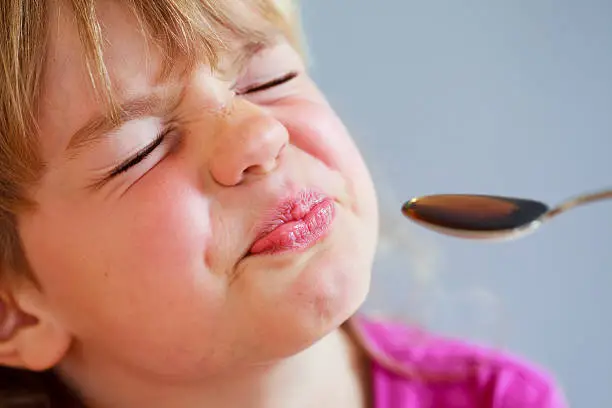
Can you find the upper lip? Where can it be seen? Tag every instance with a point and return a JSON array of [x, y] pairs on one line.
[[291, 208]]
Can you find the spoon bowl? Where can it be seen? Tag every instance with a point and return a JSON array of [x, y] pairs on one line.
[[487, 217]]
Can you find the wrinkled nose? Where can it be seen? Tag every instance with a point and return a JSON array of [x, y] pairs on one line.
[[250, 142]]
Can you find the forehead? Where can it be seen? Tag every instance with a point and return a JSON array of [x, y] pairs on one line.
[[132, 56], [67, 96]]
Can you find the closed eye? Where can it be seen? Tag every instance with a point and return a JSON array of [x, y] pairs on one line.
[[270, 84], [140, 155], [134, 160]]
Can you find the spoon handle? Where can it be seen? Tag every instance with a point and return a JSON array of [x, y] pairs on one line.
[[578, 201]]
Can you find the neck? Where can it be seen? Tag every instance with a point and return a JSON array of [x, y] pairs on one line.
[[331, 373]]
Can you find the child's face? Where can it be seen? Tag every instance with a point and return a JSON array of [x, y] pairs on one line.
[[146, 264]]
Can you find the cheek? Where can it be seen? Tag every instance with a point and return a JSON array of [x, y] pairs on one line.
[[162, 225], [316, 129], [133, 267]]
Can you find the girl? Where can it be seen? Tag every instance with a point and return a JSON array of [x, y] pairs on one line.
[[185, 222]]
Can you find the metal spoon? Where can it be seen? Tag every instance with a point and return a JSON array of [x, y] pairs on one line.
[[488, 217]]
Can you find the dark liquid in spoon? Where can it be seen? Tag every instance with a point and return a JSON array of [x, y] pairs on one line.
[[474, 212]]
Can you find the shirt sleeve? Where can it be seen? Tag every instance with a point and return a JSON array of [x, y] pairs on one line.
[[485, 377], [526, 387]]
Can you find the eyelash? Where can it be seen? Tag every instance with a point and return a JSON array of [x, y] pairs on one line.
[[270, 84], [159, 139], [141, 154]]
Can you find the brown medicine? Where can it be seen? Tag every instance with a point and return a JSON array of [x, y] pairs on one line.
[[473, 212]]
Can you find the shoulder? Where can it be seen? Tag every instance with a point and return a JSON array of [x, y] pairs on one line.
[[452, 373]]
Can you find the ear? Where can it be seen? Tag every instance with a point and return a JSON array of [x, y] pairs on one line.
[[30, 337]]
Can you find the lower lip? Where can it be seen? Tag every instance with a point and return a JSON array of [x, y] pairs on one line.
[[299, 234]]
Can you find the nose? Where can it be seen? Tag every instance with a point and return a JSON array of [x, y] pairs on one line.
[[250, 142]]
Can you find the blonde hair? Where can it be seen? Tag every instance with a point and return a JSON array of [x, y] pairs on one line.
[[196, 31]]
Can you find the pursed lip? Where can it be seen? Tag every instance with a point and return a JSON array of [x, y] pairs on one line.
[[294, 223]]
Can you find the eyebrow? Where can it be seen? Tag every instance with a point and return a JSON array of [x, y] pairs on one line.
[[153, 104]]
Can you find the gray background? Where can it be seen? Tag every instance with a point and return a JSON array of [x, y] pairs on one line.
[[510, 98]]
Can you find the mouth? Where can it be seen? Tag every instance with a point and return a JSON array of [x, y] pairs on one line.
[[295, 224]]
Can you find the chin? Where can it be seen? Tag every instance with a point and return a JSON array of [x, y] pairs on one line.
[[328, 289], [295, 299]]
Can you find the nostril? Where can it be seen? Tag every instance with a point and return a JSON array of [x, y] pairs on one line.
[[261, 168], [256, 169], [268, 166]]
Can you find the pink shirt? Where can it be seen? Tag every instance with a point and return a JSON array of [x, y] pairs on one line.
[[482, 378]]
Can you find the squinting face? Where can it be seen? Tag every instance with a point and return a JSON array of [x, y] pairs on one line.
[[221, 226]]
